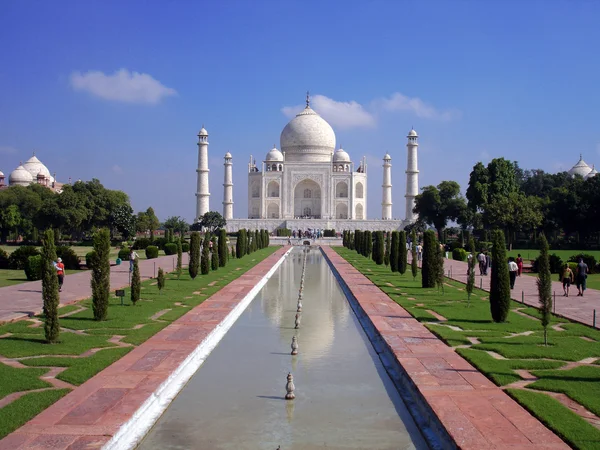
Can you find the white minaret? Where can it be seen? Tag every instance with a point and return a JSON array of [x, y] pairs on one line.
[[412, 175], [228, 188], [386, 198], [202, 194]]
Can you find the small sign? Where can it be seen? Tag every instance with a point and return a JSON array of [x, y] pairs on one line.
[[120, 292]]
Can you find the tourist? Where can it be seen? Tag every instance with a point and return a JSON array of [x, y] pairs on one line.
[[512, 271], [419, 252], [488, 262], [60, 273], [132, 257], [582, 271], [481, 260], [519, 264], [567, 279]]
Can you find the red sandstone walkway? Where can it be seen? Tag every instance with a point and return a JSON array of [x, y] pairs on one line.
[[579, 309], [91, 414], [476, 413], [19, 300]]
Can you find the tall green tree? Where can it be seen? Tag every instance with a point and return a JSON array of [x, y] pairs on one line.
[[177, 225], [160, 280], [439, 267], [379, 249], [477, 192], [413, 254], [402, 253], [223, 253], [205, 258], [429, 264], [388, 249], [194, 262], [136, 285], [471, 270], [357, 241], [437, 205], [369, 242], [179, 257], [394, 251], [122, 220], [214, 260], [50, 288], [101, 274], [211, 221], [499, 282], [544, 285]]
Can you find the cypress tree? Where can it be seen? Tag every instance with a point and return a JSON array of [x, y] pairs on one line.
[[402, 253], [248, 242], [413, 254], [160, 280], [439, 267], [471, 270], [205, 258], [179, 257], [394, 251], [233, 252], [379, 254], [194, 263], [388, 249], [369, 242], [136, 286], [50, 288], [214, 260], [428, 268], [544, 285], [350, 240], [358, 238], [223, 254], [268, 238], [101, 274], [238, 245], [499, 282], [256, 241]]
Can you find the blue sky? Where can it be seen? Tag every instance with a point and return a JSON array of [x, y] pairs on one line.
[[476, 79]]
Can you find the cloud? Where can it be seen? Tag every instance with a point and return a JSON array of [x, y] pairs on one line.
[[117, 169], [339, 114], [7, 150], [485, 156], [400, 102], [122, 86]]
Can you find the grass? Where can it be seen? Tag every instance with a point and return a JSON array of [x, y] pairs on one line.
[[81, 333], [530, 254], [9, 277], [582, 384]]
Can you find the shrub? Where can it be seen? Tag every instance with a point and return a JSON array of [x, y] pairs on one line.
[[214, 257], [179, 257], [50, 287], [223, 254], [394, 251], [160, 242], [33, 268], [135, 283], [3, 259], [388, 248], [544, 285], [556, 264], [124, 254], [185, 247], [141, 243], [402, 253], [429, 264], [90, 258], [588, 259], [194, 262], [283, 232], [329, 233], [69, 257], [170, 248], [101, 274], [160, 279], [205, 256], [459, 254], [18, 259], [379, 248], [499, 282], [151, 252]]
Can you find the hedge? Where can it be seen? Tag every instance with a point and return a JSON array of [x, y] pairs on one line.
[[151, 252]]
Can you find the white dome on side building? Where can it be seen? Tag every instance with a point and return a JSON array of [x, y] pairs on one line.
[[34, 166], [308, 138], [20, 177], [341, 156], [274, 155], [581, 168], [592, 173]]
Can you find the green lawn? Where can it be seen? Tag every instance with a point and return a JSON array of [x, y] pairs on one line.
[[530, 254], [25, 338], [473, 320], [8, 277]]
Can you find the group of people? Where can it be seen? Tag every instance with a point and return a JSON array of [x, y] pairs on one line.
[[579, 278]]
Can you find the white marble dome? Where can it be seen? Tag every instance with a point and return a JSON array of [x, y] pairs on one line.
[[412, 133], [203, 132], [387, 157], [227, 155], [308, 138], [341, 156], [34, 166], [581, 168], [592, 173], [20, 177], [274, 155]]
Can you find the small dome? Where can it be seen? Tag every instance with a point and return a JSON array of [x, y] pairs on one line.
[[203, 132], [274, 155], [227, 155], [1, 174], [387, 157], [592, 173], [20, 177], [341, 156], [581, 168], [35, 167], [412, 133]]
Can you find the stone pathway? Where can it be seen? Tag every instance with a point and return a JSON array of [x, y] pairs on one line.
[[579, 309], [90, 415], [21, 300], [475, 412]]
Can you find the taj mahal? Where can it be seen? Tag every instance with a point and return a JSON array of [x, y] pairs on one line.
[[308, 183]]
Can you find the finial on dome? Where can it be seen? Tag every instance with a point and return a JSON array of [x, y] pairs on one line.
[[34, 153], [580, 156], [307, 99]]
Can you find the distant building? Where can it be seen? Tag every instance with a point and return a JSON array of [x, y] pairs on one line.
[[583, 169], [33, 171]]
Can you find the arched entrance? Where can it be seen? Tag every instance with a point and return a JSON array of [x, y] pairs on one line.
[[307, 200], [341, 211]]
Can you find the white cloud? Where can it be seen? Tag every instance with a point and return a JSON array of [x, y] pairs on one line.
[[117, 169], [7, 150], [339, 114], [400, 102], [123, 86]]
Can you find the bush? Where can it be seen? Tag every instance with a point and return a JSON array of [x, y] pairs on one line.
[[69, 257], [124, 254], [170, 248], [329, 233], [429, 264], [33, 268], [151, 252], [141, 243], [459, 254], [3, 259], [455, 244], [499, 281], [556, 264], [90, 257], [160, 243], [185, 247], [18, 259], [483, 245], [283, 232], [588, 259], [50, 287], [100, 281]]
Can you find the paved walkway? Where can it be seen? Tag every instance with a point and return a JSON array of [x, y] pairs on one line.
[[579, 309], [475, 412], [20, 300], [91, 414]]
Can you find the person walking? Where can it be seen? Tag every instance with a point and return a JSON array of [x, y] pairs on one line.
[[519, 264], [567, 279], [60, 273], [481, 260], [419, 252], [132, 257], [512, 271], [582, 271]]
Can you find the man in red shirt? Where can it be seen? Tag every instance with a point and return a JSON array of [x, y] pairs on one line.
[[60, 272]]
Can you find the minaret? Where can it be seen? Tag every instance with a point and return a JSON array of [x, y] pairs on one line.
[[386, 198], [202, 194], [412, 175], [228, 188]]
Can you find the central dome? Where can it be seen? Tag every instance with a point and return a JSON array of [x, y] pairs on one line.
[[307, 138]]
